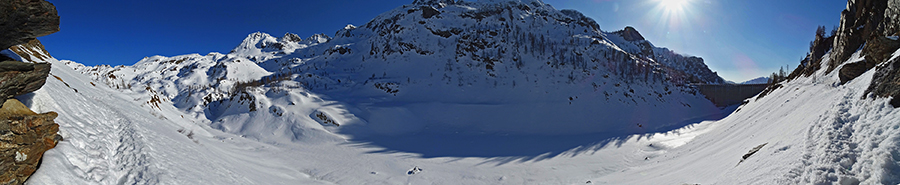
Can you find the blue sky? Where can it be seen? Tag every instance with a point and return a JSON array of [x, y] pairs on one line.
[[739, 39]]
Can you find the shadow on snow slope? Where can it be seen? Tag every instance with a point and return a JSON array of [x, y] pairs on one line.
[[503, 149]]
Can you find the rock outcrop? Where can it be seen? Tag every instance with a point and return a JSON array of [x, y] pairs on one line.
[[872, 26], [24, 137], [32, 51], [630, 34], [18, 78], [24, 20], [862, 21], [817, 50], [886, 81]]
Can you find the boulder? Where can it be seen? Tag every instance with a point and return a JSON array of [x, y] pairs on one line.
[[879, 49], [18, 78], [853, 70], [24, 20], [24, 137], [876, 51]]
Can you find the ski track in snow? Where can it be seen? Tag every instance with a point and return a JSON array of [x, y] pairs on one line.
[[112, 150]]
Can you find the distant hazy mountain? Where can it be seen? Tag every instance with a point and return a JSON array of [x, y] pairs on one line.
[[760, 80]]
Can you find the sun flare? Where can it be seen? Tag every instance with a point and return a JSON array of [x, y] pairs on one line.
[[673, 5]]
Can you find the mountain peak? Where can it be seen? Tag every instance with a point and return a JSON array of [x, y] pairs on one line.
[[290, 37], [630, 34], [433, 2], [318, 38], [255, 40]]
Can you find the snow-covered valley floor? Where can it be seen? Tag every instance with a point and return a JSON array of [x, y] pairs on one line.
[[812, 129]]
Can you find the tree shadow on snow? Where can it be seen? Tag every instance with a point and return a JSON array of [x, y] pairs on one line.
[[502, 149]]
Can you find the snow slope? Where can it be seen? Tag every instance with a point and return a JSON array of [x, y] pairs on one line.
[[486, 67], [815, 132], [115, 137], [387, 103]]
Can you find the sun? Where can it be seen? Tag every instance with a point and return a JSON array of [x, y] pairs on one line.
[[672, 16], [673, 5]]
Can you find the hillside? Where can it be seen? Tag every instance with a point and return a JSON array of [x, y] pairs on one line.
[[395, 75], [455, 92]]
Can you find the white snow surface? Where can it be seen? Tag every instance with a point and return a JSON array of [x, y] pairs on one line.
[[815, 130], [279, 111]]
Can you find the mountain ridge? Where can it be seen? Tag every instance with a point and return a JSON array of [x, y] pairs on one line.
[[509, 52]]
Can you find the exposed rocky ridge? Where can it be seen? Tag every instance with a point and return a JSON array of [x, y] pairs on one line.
[[24, 136], [819, 47], [630, 34], [24, 20], [872, 26], [862, 21]]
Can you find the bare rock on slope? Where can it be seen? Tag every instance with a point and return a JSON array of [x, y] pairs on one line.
[[18, 78], [24, 20], [24, 137], [886, 81], [862, 21], [32, 51], [876, 51]]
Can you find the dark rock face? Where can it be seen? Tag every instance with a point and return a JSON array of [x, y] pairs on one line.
[[812, 62], [630, 34], [428, 12], [24, 20], [24, 137], [879, 49], [852, 70], [291, 37], [876, 51], [18, 78], [886, 81], [862, 21], [875, 23]]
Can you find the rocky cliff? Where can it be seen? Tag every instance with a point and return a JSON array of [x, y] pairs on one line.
[[871, 26], [24, 135]]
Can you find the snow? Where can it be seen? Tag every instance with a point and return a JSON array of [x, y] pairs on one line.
[[396, 118], [112, 138], [759, 80]]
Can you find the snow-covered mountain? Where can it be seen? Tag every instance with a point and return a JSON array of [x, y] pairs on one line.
[[506, 67], [760, 80], [447, 92]]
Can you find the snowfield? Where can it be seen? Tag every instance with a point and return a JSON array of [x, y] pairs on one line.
[[388, 104], [814, 131]]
